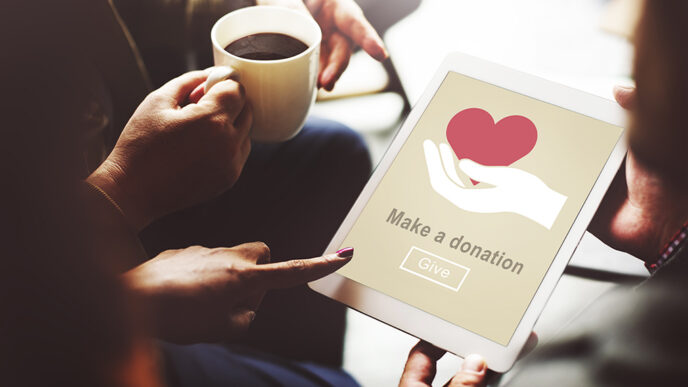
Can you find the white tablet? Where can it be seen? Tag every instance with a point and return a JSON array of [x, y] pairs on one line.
[[468, 222]]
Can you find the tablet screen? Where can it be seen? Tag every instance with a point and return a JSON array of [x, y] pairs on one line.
[[470, 215]]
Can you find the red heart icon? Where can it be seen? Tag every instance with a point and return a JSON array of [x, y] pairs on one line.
[[473, 134]]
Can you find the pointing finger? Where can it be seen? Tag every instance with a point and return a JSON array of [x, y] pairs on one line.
[[350, 20], [299, 271]]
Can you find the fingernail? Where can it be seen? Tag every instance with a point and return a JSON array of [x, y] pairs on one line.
[[473, 363], [376, 45], [346, 252], [326, 78]]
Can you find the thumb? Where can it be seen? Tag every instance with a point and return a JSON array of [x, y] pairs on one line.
[[239, 321], [486, 174], [421, 366], [625, 96], [179, 89], [472, 373]]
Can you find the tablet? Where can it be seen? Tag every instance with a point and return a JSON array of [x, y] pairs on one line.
[[469, 220]]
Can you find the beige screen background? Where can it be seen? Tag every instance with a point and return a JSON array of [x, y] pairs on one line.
[[569, 155]]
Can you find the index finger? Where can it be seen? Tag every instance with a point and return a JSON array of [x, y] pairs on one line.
[[179, 88], [350, 19], [288, 274]]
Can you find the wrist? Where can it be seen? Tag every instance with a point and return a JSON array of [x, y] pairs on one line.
[[112, 182], [546, 206], [671, 245]]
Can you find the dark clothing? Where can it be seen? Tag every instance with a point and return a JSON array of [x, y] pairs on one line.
[[214, 365], [292, 196], [629, 337]]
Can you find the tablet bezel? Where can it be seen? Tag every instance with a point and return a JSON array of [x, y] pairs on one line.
[[429, 327]]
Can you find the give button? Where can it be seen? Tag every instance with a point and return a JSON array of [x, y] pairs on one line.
[[434, 268]]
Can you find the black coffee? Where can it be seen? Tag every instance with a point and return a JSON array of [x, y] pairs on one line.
[[266, 46]]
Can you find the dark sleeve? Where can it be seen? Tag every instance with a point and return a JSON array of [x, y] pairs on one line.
[[629, 337]]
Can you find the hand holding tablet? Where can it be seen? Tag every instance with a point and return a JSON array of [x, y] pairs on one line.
[[472, 215]]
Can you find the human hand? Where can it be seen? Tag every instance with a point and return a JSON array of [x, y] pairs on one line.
[[421, 366], [173, 154], [343, 24], [641, 210], [201, 294], [514, 190]]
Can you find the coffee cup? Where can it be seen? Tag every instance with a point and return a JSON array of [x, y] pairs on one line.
[[282, 90]]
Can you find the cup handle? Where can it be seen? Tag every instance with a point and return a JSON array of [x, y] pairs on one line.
[[219, 74]]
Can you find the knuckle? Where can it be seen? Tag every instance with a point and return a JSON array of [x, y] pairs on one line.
[[246, 276], [154, 98], [217, 251], [217, 121], [231, 268], [263, 249], [259, 250], [195, 248], [296, 265], [231, 93], [240, 272]]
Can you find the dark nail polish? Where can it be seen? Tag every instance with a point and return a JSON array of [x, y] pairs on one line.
[[347, 252]]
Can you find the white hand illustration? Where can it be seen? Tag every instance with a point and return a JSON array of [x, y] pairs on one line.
[[514, 190]]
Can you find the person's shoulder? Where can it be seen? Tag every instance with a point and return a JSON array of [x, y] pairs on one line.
[[628, 337]]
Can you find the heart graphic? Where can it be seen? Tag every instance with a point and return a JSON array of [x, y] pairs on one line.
[[473, 134]]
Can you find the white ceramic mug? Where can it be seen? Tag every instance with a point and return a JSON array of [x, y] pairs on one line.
[[281, 92]]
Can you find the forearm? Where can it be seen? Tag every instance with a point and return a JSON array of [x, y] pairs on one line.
[[116, 241]]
